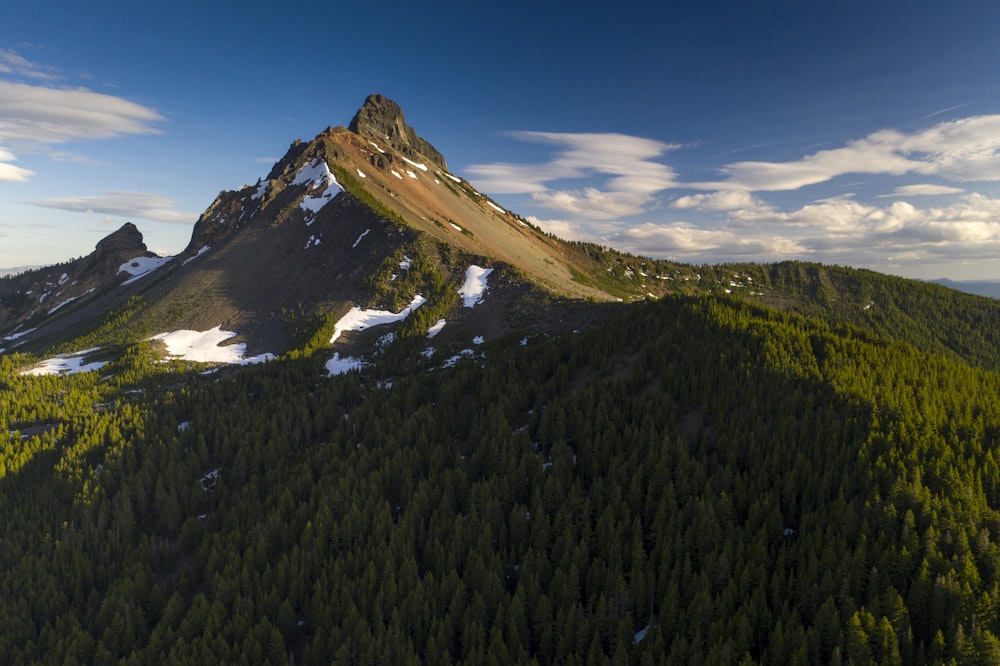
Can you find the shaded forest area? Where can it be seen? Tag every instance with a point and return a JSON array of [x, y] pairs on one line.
[[695, 480]]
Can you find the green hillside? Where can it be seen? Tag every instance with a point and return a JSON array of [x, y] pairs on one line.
[[699, 479]]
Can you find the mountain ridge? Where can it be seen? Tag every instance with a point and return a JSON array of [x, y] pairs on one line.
[[333, 224]]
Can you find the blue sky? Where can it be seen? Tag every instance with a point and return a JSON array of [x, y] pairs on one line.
[[854, 133]]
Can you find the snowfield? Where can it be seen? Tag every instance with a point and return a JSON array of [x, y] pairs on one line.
[[205, 347], [475, 285], [317, 175], [65, 364], [141, 267], [358, 320]]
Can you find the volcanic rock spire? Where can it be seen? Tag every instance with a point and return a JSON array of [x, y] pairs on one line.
[[381, 120]]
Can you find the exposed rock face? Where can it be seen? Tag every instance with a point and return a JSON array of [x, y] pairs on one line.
[[117, 248], [381, 120]]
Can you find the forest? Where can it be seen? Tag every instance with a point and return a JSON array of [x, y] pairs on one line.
[[703, 478]]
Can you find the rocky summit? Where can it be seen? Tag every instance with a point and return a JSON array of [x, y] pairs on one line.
[[381, 119]]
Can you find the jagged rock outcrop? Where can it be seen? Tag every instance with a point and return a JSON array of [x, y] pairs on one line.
[[381, 120], [117, 248]]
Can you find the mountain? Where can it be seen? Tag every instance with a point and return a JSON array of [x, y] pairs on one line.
[[41, 293], [989, 288], [472, 442], [327, 229]]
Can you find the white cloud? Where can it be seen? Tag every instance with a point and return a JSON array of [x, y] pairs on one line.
[[593, 203], [35, 117], [562, 228], [42, 115], [626, 163], [9, 172], [134, 205], [717, 201], [15, 64], [687, 241], [967, 149], [922, 189]]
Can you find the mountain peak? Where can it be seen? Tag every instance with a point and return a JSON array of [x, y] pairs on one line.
[[380, 119], [127, 238]]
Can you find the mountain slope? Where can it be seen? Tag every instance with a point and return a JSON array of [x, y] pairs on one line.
[[304, 244], [787, 463]]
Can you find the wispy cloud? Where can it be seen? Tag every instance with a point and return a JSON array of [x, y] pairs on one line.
[[940, 112], [967, 149], [37, 115], [921, 190], [9, 172], [625, 165], [131, 205], [13, 63]]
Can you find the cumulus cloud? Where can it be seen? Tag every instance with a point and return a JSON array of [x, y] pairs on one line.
[[133, 205], [967, 149], [625, 163], [687, 241]]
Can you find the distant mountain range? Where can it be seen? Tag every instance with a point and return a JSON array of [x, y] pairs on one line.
[[989, 288]]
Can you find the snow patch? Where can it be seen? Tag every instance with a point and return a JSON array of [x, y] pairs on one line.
[[203, 250], [363, 234], [358, 320], [71, 299], [15, 336], [65, 364], [457, 228], [312, 242], [317, 175], [494, 206], [406, 263], [422, 167], [478, 340], [261, 191], [411, 174], [361, 173], [457, 357], [454, 178], [205, 347], [376, 147], [396, 174], [475, 285], [436, 328], [141, 267], [339, 366]]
